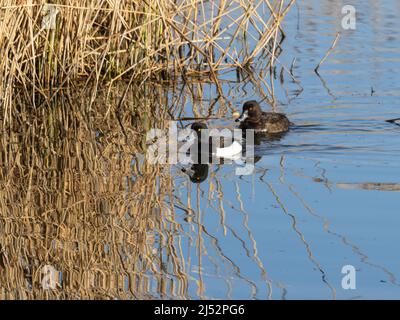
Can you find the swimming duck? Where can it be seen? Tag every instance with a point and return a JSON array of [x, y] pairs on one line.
[[231, 152], [198, 172], [267, 122], [201, 137]]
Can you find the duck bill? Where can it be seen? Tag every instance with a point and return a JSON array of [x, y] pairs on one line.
[[243, 117]]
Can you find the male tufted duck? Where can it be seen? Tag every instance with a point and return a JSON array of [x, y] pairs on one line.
[[229, 152]]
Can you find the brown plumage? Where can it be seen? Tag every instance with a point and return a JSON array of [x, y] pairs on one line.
[[267, 122]]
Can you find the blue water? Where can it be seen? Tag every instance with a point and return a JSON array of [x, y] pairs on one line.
[[324, 196]]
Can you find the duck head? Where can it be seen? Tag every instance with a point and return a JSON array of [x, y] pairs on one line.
[[195, 134], [198, 128], [251, 111]]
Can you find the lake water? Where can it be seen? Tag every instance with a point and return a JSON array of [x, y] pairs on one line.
[[324, 196]]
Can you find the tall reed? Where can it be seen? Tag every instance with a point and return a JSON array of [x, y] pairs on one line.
[[98, 41]]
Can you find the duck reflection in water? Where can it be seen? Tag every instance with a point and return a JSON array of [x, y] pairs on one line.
[[198, 173]]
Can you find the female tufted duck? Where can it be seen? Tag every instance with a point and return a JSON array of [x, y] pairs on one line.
[[267, 122]]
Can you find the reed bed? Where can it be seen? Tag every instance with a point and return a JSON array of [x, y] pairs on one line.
[[48, 47]]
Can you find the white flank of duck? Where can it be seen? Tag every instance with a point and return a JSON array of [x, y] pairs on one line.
[[229, 152]]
